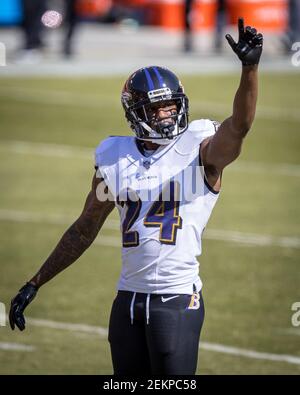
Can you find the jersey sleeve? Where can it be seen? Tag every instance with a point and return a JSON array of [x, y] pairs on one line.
[[104, 160], [198, 130], [203, 128], [102, 152], [108, 155]]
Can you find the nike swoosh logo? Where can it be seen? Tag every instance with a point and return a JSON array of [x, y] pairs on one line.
[[166, 299]]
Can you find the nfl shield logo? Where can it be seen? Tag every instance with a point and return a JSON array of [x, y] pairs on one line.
[[146, 164]]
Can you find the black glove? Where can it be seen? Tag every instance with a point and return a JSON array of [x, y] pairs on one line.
[[249, 46], [18, 304]]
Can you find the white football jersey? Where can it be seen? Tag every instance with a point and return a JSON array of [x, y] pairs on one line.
[[164, 202]]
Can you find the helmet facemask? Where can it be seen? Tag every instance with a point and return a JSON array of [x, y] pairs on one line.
[[141, 117]]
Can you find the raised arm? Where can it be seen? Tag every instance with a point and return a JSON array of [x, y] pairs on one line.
[[71, 246], [225, 146]]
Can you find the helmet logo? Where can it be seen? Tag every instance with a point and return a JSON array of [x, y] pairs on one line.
[[158, 94], [125, 98], [181, 86], [147, 164]]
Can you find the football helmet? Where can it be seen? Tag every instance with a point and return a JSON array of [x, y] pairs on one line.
[[146, 90]]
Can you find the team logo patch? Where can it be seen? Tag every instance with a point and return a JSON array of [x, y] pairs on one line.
[[147, 164], [195, 302]]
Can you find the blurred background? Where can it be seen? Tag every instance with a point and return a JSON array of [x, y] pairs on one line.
[[95, 33], [62, 67]]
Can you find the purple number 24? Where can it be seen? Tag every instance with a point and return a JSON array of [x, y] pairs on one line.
[[163, 214]]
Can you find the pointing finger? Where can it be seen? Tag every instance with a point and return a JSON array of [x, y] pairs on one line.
[[241, 27]]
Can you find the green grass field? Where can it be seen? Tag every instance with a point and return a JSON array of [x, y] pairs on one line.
[[248, 288]]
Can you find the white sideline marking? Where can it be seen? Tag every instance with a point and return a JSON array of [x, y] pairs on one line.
[[67, 326], [16, 347], [56, 219], [203, 345], [59, 98], [249, 239], [46, 149], [108, 241], [249, 353], [291, 331], [69, 151]]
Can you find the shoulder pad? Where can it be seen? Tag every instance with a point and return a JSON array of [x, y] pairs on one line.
[[110, 150], [203, 128], [197, 131]]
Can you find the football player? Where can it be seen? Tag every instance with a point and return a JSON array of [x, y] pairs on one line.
[[164, 181]]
